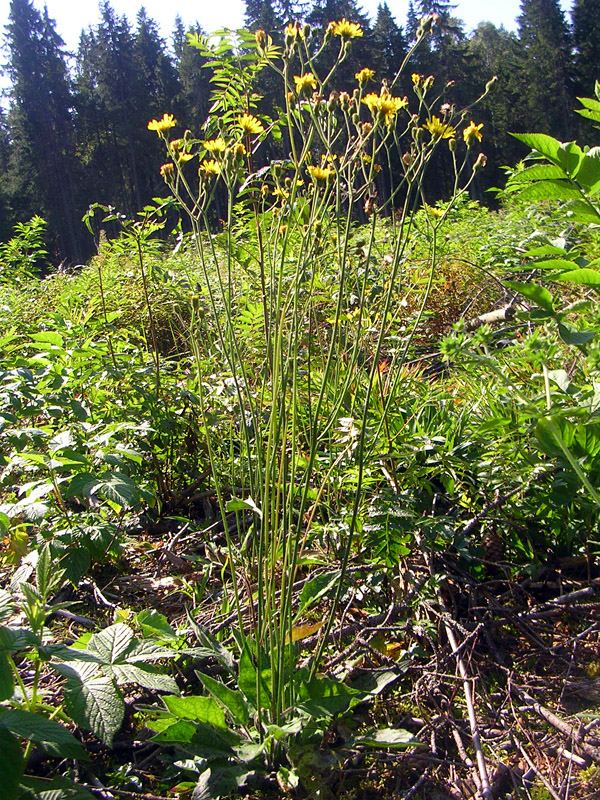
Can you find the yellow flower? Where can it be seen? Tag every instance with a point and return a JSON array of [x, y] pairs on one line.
[[416, 78], [320, 175], [184, 157], [346, 30], [210, 167], [162, 125], [260, 38], [239, 151], [305, 84], [439, 129], [292, 32], [250, 124], [218, 145], [167, 171], [472, 132], [384, 106], [365, 75]]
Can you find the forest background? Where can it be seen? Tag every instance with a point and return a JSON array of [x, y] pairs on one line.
[[74, 130]]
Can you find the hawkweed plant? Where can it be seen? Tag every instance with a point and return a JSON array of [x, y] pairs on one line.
[[309, 397]]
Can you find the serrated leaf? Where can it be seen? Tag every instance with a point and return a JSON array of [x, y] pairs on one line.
[[144, 676], [120, 489], [7, 680], [544, 144], [155, 624], [93, 701], [232, 700], [112, 643], [197, 708], [585, 277], [47, 733], [549, 190], [11, 764]]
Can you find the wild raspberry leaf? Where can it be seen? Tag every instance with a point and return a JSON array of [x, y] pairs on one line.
[[48, 734], [93, 700], [112, 643], [11, 764]]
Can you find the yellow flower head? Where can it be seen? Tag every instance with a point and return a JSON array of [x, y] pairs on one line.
[[472, 132], [345, 30], [439, 129], [364, 76], [250, 125], [416, 78], [292, 32], [218, 145], [260, 37], [210, 167], [239, 151], [384, 106], [305, 84], [162, 125], [167, 171], [320, 175]]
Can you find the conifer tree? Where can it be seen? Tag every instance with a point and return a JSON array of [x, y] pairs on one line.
[[585, 15], [547, 93], [388, 43], [42, 165]]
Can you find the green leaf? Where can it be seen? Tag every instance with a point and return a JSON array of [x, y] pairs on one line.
[[197, 708], [254, 684], [43, 570], [588, 174], [93, 701], [145, 676], [120, 489], [549, 190], [572, 336], [570, 156], [47, 733], [532, 291], [155, 624], [7, 608], [546, 145], [48, 337], [11, 764], [7, 680], [386, 737], [538, 172], [206, 639], [325, 697], [544, 433], [586, 277], [315, 588], [59, 788], [83, 485], [232, 700], [554, 263], [112, 643]]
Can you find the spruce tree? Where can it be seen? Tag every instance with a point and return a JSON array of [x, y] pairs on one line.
[[389, 44], [42, 164], [547, 91], [585, 15]]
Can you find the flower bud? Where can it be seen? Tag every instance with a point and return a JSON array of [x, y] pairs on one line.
[[490, 85], [480, 163]]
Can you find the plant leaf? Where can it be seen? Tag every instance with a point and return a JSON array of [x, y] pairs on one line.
[[386, 737], [11, 764], [532, 291], [93, 701], [47, 733], [232, 700]]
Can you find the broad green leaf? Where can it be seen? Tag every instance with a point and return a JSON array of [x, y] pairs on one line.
[[205, 638], [532, 291], [546, 437], [237, 504], [6, 605], [155, 624], [316, 588], [549, 190], [386, 737], [93, 701], [545, 250], [586, 277], [254, 684], [197, 708], [83, 485], [588, 174], [48, 337], [120, 489], [7, 680], [582, 211], [11, 764], [59, 788], [222, 780], [554, 263], [561, 378], [112, 643], [75, 563], [589, 114], [232, 700], [47, 733], [572, 336], [538, 172], [590, 103], [145, 676], [569, 156], [546, 145], [325, 697]]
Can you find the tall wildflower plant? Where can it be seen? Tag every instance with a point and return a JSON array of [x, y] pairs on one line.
[[309, 398]]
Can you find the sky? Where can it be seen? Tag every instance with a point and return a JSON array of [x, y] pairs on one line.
[[72, 16]]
